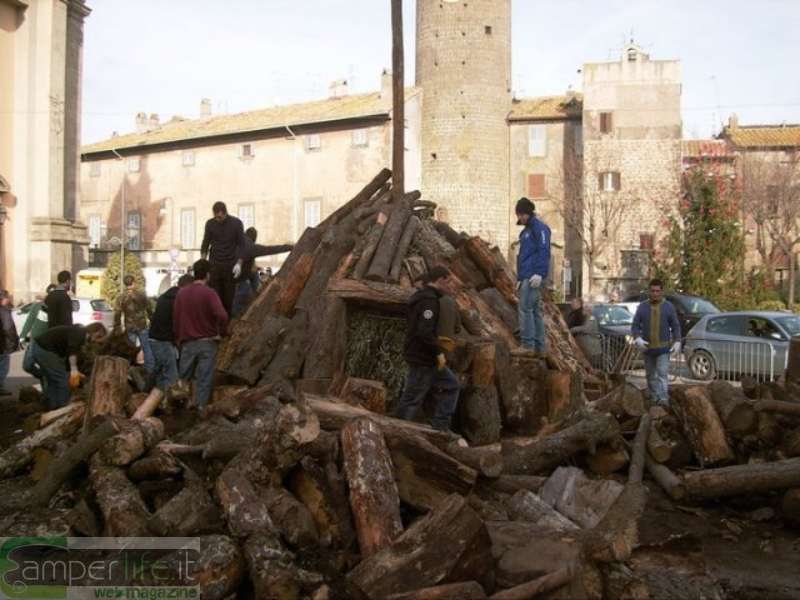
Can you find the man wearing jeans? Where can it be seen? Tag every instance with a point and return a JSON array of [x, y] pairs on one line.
[[657, 331], [134, 307], [425, 355], [199, 321], [533, 266]]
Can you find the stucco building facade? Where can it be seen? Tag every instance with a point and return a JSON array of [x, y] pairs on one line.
[[41, 45]]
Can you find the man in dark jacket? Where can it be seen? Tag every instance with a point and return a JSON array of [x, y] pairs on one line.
[[248, 282], [425, 355], [9, 340], [223, 245], [533, 267], [58, 303], [657, 332]]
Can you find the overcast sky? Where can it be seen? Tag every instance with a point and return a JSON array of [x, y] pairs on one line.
[[162, 56]]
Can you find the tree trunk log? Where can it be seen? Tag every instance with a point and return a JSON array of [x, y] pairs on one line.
[[327, 351], [617, 534], [479, 415], [433, 247], [291, 517], [156, 465], [660, 450], [149, 406], [735, 410], [371, 293], [54, 415], [494, 271], [466, 590], [779, 406], [108, 388], [791, 444], [244, 508], [702, 425], [537, 587], [528, 456], [790, 507], [387, 248], [374, 496], [219, 569], [483, 364], [521, 381], [372, 240], [368, 194], [188, 513], [17, 457], [743, 479], [527, 506], [449, 544], [124, 512], [243, 359], [134, 440], [497, 302], [510, 484], [271, 568], [402, 249], [486, 460], [668, 481], [365, 393], [424, 474], [639, 451], [609, 458]]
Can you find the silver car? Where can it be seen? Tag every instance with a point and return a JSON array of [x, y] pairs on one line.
[[84, 311], [735, 344]]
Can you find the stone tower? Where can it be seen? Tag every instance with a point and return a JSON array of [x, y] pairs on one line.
[[463, 65]]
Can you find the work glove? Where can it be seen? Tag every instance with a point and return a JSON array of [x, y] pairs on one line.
[[75, 379], [676, 348], [640, 343], [535, 281], [441, 361], [519, 284], [237, 270]]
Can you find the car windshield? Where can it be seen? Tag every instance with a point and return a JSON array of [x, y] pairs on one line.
[[790, 323], [100, 306], [698, 306], [611, 314]]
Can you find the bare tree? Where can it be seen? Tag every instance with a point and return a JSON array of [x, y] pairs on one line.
[[770, 185]]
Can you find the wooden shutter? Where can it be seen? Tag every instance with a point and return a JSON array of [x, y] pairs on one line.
[[600, 181], [615, 179], [536, 187], [605, 122]]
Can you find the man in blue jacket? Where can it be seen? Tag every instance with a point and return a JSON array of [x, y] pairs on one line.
[[533, 267], [657, 332]]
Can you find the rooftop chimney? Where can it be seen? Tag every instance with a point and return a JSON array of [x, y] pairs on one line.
[[386, 84], [153, 123], [338, 88], [141, 122], [205, 108], [733, 121]]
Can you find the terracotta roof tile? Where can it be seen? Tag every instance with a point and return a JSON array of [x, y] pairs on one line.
[[320, 111], [763, 136], [706, 149], [547, 108]]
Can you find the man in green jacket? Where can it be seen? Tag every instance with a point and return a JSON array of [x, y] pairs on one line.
[[36, 322]]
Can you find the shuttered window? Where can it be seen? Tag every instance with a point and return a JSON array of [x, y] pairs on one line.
[[187, 228], [609, 181], [606, 122], [536, 186], [537, 140]]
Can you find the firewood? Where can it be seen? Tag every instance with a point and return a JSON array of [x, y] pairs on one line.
[[433, 247], [271, 569], [150, 404], [479, 415], [60, 469], [527, 506], [45, 419], [371, 293], [510, 484], [134, 439], [389, 243], [521, 382], [424, 474], [741, 480], [453, 237], [327, 350], [245, 510], [542, 585], [486, 460], [702, 425], [124, 512], [369, 193], [18, 456], [287, 363], [779, 406], [291, 517], [609, 458], [483, 364], [790, 507], [365, 393], [562, 396], [791, 444], [495, 300], [219, 569], [668, 481], [402, 249], [374, 204], [156, 465], [374, 497], [617, 534], [108, 388], [190, 512], [371, 242], [449, 544], [624, 401], [736, 411], [466, 590], [660, 450], [246, 360], [769, 429], [528, 456], [494, 271], [639, 451], [582, 500], [619, 581]]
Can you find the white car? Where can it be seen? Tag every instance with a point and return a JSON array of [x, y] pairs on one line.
[[84, 311]]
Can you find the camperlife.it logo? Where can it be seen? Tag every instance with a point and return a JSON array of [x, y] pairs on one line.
[[76, 568]]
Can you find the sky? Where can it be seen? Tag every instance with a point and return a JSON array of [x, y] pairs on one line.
[[163, 56]]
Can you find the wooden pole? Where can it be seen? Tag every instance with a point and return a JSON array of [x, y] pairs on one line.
[[398, 103]]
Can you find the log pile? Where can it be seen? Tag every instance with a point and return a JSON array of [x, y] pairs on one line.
[[299, 483]]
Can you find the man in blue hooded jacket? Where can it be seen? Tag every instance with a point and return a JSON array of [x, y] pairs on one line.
[[533, 267]]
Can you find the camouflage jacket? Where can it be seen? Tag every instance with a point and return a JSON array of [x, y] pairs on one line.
[[134, 307]]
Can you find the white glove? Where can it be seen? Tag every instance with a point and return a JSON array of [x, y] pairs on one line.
[[519, 283], [676, 348], [237, 270], [640, 343], [535, 281]]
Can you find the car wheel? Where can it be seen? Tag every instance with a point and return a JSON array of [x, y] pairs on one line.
[[702, 365]]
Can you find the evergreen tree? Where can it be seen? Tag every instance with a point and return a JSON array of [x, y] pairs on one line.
[[112, 281]]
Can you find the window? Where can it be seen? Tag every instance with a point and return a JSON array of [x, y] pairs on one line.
[[313, 211], [94, 169], [247, 215], [313, 142], [187, 228], [605, 122], [609, 181], [95, 230], [134, 232], [187, 158], [536, 186], [246, 151], [537, 140], [734, 325], [360, 139], [133, 165], [646, 241], [488, 29], [762, 328], [577, 139]]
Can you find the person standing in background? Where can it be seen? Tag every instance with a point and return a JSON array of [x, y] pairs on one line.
[[58, 302], [533, 267], [223, 245], [248, 282], [9, 341], [133, 309]]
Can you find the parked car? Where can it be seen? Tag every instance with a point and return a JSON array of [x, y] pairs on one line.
[[690, 308], [604, 334], [740, 343], [84, 311]]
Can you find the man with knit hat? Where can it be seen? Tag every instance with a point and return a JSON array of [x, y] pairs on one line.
[[533, 267]]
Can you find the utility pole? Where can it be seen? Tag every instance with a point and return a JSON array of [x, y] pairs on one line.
[[398, 103]]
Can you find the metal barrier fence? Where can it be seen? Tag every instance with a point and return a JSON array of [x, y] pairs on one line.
[[713, 360]]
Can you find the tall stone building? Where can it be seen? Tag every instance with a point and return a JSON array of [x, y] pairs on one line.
[[41, 45], [463, 66]]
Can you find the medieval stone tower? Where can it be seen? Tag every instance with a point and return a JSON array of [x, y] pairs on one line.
[[463, 65]]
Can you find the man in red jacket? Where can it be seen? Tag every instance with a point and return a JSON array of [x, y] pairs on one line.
[[199, 321]]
